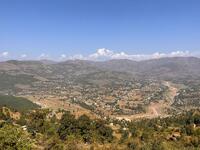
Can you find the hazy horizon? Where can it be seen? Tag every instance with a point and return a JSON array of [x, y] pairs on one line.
[[100, 55]]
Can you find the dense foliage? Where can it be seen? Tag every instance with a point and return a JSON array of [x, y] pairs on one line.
[[12, 138], [17, 103], [177, 132], [44, 129], [89, 130]]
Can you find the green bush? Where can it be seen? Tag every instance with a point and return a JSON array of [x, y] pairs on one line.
[[14, 138]]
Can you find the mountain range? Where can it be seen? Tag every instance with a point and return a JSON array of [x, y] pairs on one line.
[[163, 68]]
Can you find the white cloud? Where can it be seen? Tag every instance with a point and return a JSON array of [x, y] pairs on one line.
[[63, 56], [44, 56], [23, 56], [4, 54], [106, 54], [180, 53], [172, 54], [78, 56], [102, 54]]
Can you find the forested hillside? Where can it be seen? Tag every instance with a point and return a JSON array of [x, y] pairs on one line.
[[17, 103], [44, 129]]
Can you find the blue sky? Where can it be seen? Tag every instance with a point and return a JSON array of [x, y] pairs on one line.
[[55, 28]]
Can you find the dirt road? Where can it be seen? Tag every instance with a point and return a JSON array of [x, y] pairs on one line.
[[157, 109]]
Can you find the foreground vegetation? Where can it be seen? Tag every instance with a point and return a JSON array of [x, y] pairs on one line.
[[176, 132], [45, 129]]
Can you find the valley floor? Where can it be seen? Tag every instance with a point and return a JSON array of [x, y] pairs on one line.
[[156, 109], [159, 108]]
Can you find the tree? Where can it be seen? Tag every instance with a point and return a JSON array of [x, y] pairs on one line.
[[84, 127], [37, 121], [104, 133], [68, 125], [14, 138]]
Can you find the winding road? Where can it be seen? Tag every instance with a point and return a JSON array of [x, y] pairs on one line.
[[157, 109]]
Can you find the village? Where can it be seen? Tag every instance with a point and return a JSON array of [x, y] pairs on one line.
[[128, 98]]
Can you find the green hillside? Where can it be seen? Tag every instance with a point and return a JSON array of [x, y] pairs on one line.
[[9, 81], [17, 103]]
